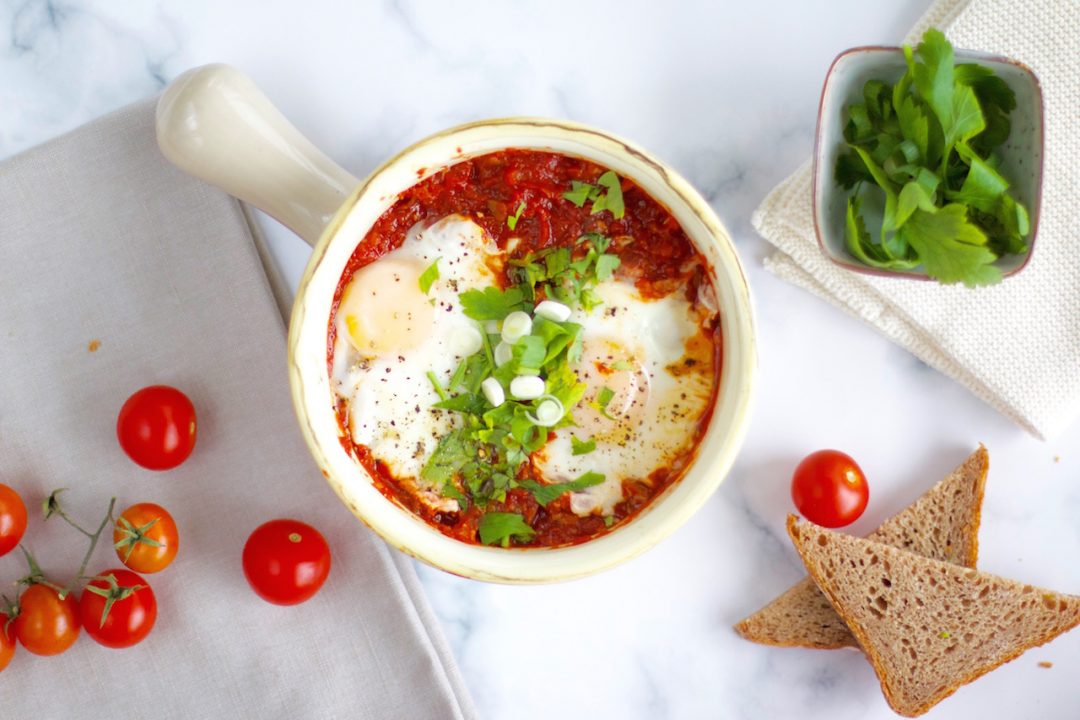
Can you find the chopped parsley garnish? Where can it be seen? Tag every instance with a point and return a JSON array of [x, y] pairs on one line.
[[546, 494], [612, 198], [484, 456], [566, 279], [437, 385], [605, 266], [582, 447], [512, 220], [580, 192], [603, 399], [429, 276], [499, 527], [927, 147], [491, 303], [605, 195]]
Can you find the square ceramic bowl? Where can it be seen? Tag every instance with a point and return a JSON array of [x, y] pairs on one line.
[[1022, 153]]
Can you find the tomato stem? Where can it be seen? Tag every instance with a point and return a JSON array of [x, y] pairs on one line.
[[90, 550], [10, 611], [35, 576], [51, 506], [133, 536], [112, 593]]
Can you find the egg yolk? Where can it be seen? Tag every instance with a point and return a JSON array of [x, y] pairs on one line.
[[382, 309], [607, 364]]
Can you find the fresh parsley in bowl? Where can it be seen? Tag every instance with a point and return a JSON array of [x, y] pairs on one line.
[[928, 163]]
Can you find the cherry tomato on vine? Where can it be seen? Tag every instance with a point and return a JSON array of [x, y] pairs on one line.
[[156, 427], [145, 538], [132, 608], [286, 561], [829, 489], [7, 642], [12, 519], [46, 625]]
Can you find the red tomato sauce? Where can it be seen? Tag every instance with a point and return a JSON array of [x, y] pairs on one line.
[[655, 254]]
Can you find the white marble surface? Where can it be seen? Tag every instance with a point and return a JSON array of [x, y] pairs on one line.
[[728, 95]]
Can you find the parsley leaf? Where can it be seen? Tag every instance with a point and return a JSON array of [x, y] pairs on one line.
[[934, 75], [562, 383], [581, 447], [546, 494], [858, 239], [450, 454], [429, 276], [850, 170], [580, 192], [491, 303], [951, 248], [603, 399], [967, 120], [500, 527], [995, 98], [512, 220], [612, 199], [606, 265], [528, 355]]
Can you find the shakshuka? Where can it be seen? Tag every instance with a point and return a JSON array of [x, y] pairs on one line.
[[524, 350]]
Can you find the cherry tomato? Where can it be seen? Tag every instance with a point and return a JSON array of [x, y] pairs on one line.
[[286, 561], [7, 642], [829, 489], [145, 538], [12, 519], [131, 616], [156, 427], [46, 625]]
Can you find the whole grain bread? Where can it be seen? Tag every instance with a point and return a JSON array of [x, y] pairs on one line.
[[943, 524], [927, 626]]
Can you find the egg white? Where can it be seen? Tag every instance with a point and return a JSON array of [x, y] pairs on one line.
[[388, 393], [658, 399]]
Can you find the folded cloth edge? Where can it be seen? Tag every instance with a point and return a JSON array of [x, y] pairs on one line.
[[796, 261]]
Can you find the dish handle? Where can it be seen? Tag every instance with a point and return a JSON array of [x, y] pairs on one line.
[[213, 122]]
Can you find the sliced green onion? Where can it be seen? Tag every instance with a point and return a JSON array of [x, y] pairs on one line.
[[437, 385], [553, 310], [504, 352], [465, 340], [517, 325], [527, 387], [493, 391], [549, 412]]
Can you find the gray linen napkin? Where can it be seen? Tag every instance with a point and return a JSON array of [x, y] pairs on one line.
[[105, 245]]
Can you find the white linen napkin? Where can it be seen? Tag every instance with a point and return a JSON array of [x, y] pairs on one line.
[[119, 271], [1015, 345]]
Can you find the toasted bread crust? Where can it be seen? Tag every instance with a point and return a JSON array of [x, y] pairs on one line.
[[778, 623], [800, 531]]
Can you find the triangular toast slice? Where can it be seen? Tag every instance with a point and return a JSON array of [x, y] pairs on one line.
[[927, 626], [942, 524]]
